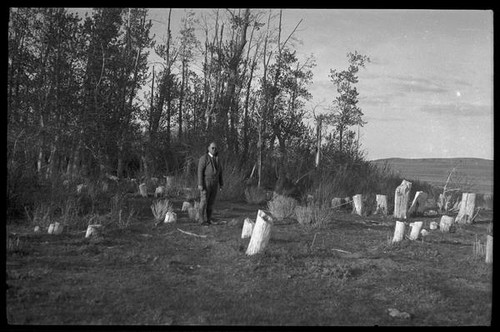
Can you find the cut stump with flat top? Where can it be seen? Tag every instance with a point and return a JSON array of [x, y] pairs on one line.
[[261, 233], [445, 223], [357, 207], [401, 198], [466, 209], [399, 231], [415, 229]]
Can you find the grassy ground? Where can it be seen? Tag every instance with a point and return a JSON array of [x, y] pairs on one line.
[[344, 273]]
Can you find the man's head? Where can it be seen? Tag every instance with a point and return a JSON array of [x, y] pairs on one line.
[[212, 148]]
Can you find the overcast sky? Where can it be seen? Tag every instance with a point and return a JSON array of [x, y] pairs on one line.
[[428, 91]]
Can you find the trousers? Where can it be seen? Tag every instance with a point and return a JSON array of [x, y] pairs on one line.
[[207, 199]]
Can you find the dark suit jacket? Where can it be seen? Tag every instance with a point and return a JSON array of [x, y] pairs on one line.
[[206, 170]]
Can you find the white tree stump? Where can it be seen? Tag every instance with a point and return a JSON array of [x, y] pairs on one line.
[[143, 190], [336, 202], [424, 232], [466, 208], [186, 206], [261, 233], [399, 232], [445, 223], [170, 217], [92, 230], [248, 226], [37, 229], [433, 225], [80, 188], [418, 205], [357, 204], [169, 181], [415, 229], [489, 249], [381, 204], [160, 191], [401, 199]]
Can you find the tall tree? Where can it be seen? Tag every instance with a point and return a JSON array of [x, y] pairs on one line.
[[346, 112]]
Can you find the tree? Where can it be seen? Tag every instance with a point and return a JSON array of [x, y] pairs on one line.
[[346, 113]]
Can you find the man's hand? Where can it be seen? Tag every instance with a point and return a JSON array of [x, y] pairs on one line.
[[200, 188], [220, 188]]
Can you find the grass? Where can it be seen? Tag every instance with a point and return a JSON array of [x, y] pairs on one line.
[[342, 273]]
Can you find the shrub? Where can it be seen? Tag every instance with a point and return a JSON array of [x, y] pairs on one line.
[[313, 215], [304, 215], [234, 183], [282, 207], [160, 209], [255, 195]]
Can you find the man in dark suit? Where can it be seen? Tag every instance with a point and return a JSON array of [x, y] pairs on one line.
[[209, 182]]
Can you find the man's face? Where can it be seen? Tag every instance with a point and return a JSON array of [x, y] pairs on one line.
[[212, 149]]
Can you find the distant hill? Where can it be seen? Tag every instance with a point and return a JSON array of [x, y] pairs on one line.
[[436, 170]]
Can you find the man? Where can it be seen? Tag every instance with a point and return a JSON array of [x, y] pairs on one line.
[[209, 181]]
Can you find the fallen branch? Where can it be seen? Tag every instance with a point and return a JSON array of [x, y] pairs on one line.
[[346, 252], [189, 233]]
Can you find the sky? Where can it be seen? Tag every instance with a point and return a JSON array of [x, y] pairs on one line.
[[428, 90]]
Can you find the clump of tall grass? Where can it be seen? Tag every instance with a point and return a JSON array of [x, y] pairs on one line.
[[282, 207], [478, 249], [255, 195], [313, 215], [160, 208]]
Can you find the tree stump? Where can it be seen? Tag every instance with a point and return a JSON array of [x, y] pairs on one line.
[[170, 217], [489, 249], [357, 204], [433, 225], [80, 188], [58, 228], [445, 223], [401, 199], [169, 181], [336, 202], [399, 232], [92, 230], [261, 233], [466, 209], [143, 190], [160, 191], [186, 206], [248, 226], [381, 204], [418, 205], [415, 229]]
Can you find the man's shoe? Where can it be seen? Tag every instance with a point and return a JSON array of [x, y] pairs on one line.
[[205, 223]]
